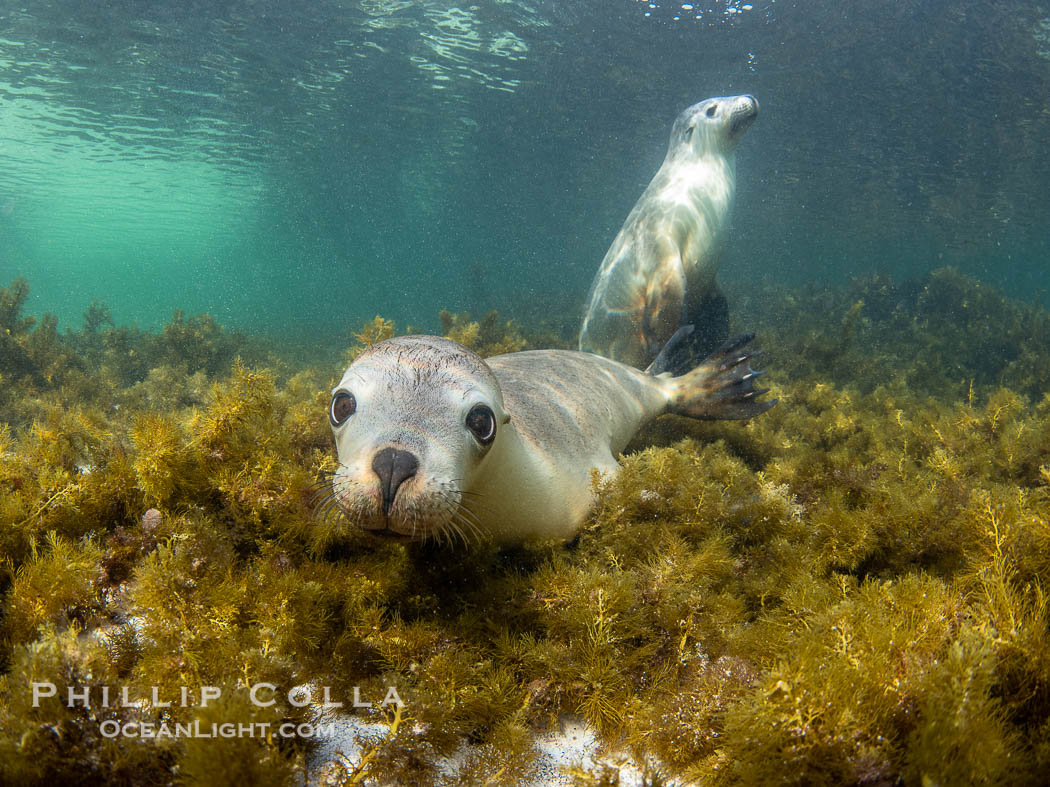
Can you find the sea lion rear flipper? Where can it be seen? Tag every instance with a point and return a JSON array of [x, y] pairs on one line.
[[723, 386]]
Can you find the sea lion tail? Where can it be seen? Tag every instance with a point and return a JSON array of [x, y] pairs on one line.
[[723, 386]]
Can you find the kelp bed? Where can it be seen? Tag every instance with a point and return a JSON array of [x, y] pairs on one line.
[[846, 590]]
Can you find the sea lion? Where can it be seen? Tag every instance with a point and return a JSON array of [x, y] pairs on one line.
[[435, 443], [659, 273]]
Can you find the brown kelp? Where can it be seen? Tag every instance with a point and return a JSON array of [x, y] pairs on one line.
[[849, 589]]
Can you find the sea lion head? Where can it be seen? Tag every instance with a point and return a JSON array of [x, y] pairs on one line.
[[413, 418], [714, 124]]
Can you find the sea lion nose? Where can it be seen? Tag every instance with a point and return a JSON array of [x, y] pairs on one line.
[[393, 467]]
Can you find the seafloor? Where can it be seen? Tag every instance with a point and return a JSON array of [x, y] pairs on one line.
[[845, 590]]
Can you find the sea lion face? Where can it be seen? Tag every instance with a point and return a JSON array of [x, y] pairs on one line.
[[413, 419], [715, 124]]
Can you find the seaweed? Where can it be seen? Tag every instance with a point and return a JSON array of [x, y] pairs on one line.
[[102, 363], [197, 343], [14, 359], [489, 336], [945, 335], [849, 589], [371, 333], [96, 316]]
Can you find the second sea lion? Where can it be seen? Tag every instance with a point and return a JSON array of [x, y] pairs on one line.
[[659, 273]]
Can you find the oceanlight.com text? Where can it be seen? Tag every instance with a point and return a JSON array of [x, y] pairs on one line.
[[194, 729]]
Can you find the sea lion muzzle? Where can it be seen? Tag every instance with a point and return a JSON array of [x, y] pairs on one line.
[[393, 467]]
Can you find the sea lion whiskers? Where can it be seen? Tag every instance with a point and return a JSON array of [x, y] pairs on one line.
[[324, 505], [412, 512], [460, 520], [457, 519], [331, 508], [321, 488], [466, 523], [462, 528], [324, 497], [343, 488], [477, 500]]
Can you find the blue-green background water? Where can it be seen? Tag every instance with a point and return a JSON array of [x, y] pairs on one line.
[[295, 168]]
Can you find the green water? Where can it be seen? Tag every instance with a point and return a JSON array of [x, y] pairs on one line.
[[295, 170]]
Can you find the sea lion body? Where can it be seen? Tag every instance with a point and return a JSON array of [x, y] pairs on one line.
[[542, 460], [417, 462], [659, 273]]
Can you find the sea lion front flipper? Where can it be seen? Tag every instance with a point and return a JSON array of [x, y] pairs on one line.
[[694, 342], [710, 321], [676, 356], [665, 291], [615, 320]]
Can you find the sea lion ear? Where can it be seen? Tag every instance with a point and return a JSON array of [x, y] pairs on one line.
[[506, 418]]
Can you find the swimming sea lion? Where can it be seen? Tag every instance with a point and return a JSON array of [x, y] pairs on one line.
[[659, 273], [433, 442]]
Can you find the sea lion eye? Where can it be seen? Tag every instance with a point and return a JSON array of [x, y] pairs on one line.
[[711, 110], [482, 423], [343, 406]]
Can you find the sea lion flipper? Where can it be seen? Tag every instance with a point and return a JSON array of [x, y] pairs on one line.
[[711, 323], [676, 354], [691, 344], [665, 293], [635, 309], [723, 386]]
